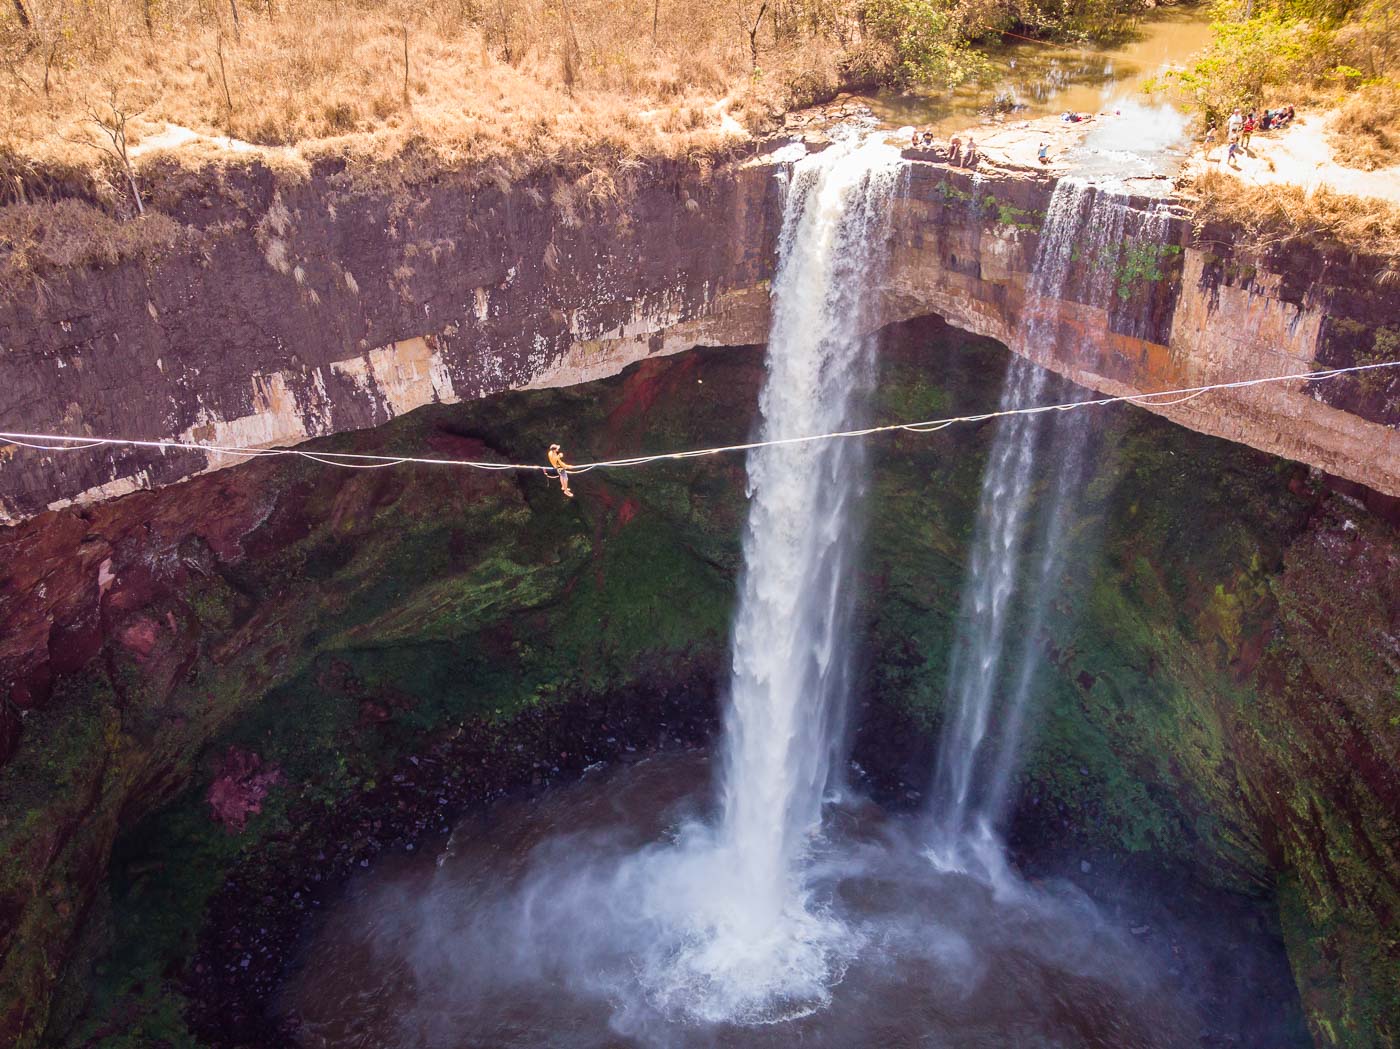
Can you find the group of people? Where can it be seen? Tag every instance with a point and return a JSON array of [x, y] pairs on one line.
[[960, 154], [1240, 128]]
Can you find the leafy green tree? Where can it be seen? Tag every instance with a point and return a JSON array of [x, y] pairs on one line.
[[925, 40], [1247, 58]]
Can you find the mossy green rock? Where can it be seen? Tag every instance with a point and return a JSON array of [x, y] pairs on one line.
[[1219, 693]]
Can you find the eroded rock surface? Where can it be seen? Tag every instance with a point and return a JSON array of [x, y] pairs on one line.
[[1219, 686], [290, 310]]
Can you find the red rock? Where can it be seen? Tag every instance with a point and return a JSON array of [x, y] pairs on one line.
[[372, 713], [140, 637], [240, 787]]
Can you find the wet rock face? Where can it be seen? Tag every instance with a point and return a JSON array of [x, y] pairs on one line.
[[292, 310], [1218, 690]]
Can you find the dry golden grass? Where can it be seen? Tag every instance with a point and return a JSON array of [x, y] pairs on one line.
[[38, 239], [1275, 214], [1366, 133], [481, 81]]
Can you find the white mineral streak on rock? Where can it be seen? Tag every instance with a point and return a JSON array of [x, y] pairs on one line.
[[401, 376], [734, 318], [137, 482], [275, 419]]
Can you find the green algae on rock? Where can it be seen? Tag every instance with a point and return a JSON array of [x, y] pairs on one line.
[[1218, 695]]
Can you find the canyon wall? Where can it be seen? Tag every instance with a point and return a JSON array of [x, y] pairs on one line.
[[289, 308], [146, 636], [232, 680], [1186, 308], [286, 309]]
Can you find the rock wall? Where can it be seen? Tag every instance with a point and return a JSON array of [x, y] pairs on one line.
[[1167, 307], [1210, 701], [291, 309], [294, 309]]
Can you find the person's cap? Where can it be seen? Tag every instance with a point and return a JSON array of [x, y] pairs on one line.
[[553, 447]]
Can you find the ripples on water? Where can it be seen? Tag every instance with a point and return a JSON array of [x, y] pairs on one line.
[[539, 926]]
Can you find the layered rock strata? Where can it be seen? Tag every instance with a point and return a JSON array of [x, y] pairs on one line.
[[295, 309]]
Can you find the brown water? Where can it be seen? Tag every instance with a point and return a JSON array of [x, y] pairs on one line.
[[1037, 79], [546, 924]]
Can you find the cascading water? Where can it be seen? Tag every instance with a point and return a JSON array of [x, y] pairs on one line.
[[994, 662], [789, 686], [754, 947], [620, 912]]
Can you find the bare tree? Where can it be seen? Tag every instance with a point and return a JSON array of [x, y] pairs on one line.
[[573, 54], [111, 116], [753, 33], [50, 60], [503, 18], [406, 103], [237, 28], [223, 73], [23, 15]]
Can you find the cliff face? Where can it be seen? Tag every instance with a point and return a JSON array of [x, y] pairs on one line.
[[294, 309], [1228, 680], [291, 309], [264, 642], [323, 623], [1163, 306]]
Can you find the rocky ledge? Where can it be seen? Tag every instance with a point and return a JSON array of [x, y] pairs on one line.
[[274, 309]]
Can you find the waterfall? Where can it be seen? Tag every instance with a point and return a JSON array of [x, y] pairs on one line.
[[1019, 541], [789, 647], [733, 932]]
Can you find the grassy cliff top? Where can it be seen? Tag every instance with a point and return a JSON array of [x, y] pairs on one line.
[[293, 80], [85, 86]]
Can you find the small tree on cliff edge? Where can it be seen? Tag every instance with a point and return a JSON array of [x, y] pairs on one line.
[[111, 116]]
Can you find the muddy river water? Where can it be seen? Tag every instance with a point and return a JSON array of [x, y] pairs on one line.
[[1031, 79]]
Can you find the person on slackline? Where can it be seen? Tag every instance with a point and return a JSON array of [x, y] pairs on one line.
[[556, 460]]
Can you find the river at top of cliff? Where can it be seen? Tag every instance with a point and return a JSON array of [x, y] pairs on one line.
[[1031, 79]]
